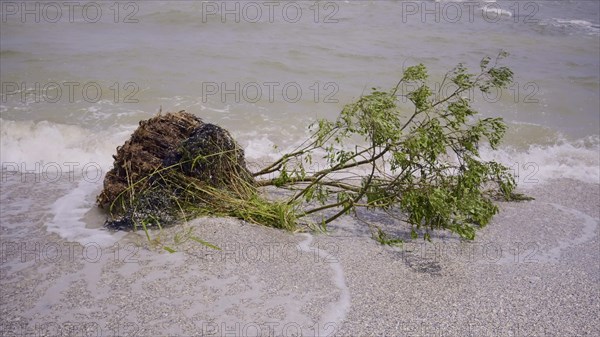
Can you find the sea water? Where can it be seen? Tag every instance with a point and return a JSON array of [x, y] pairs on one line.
[[78, 77]]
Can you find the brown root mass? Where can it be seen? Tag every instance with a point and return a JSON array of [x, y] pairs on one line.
[[180, 142]]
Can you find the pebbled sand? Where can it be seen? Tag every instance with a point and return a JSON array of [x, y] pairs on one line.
[[534, 271]]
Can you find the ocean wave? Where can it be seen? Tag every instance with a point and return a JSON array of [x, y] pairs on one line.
[[578, 160], [28, 143], [568, 26], [576, 24], [496, 11], [579, 23]]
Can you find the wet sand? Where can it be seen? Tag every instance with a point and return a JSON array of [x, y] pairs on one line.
[[534, 271]]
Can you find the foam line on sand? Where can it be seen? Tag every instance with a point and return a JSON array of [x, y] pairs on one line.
[[336, 313]]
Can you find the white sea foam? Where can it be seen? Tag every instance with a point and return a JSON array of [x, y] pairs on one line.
[[581, 25], [539, 164], [588, 224], [338, 311], [496, 11], [26, 143], [225, 109], [63, 152], [69, 212], [260, 148]]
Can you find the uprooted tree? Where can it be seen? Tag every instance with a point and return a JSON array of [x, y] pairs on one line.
[[421, 166]]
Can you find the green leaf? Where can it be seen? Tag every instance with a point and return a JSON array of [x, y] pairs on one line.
[[415, 73], [204, 243], [168, 249]]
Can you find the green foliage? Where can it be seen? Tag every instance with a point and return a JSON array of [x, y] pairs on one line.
[[385, 239], [424, 162]]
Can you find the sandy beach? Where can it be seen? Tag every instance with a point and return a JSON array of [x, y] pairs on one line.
[[534, 271]]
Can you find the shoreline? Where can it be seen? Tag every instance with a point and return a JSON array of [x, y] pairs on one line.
[[533, 270]]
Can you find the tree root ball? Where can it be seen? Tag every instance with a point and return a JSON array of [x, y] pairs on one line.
[[174, 141]]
